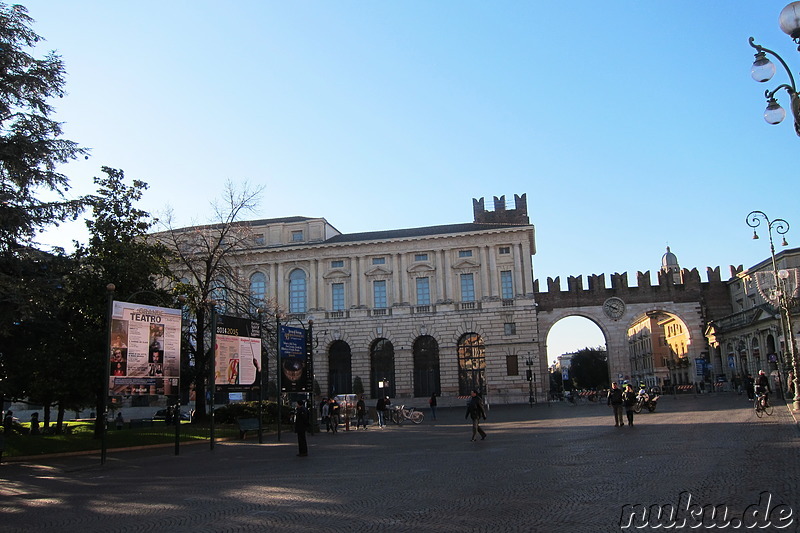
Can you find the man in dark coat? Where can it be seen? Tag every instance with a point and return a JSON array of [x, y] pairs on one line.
[[300, 427], [615, 401], [476, 411]]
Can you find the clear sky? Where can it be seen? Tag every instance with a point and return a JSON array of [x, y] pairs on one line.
[[631, 125]]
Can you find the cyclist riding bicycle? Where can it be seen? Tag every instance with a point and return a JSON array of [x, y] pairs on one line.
[[762, 386]]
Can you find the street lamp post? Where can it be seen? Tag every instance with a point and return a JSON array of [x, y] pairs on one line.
[[763, 69], [781, 227], [530, 376]]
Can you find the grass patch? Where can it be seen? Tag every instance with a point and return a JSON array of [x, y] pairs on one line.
[[80, 437]]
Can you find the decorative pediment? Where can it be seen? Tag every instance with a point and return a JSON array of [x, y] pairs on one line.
[[465, 264], [336, 273], [378, 271], [420, 269]]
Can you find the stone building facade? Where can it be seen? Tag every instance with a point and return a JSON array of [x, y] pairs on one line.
[[411, 312], [752, 337]]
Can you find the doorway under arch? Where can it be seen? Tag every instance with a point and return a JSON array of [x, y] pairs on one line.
[[576, 336]]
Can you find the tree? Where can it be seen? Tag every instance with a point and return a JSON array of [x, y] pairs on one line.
[[30, 143], [119, 253], [31, 148], [589, 368], [206, 264]]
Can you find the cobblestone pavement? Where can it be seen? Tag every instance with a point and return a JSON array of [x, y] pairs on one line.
[[560, 468]]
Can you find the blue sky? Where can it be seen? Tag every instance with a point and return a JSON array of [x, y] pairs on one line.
[[631, 125]]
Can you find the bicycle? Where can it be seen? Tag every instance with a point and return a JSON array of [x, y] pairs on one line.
[[400, 413], [761, 405]]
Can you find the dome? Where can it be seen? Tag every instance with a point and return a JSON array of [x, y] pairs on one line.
[[669, 260]]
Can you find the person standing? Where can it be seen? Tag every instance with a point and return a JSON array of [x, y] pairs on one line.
[[380, 408], [334, 415], [300, 427], [35, 424], [361, 412], [326, 415], [749, 386], [8, 422], [615, 401], [629, 400], [432, 403], [476, 411]]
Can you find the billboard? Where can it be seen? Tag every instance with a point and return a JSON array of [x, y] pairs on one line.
[[238, 353], [145, 350], [295, 360]]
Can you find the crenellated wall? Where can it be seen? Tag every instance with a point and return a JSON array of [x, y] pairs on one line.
[[712, 294]]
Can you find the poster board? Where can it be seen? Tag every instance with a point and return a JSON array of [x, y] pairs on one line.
[[145, 350]]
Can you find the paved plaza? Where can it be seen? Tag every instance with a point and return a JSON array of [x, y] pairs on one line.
[[559, 468]]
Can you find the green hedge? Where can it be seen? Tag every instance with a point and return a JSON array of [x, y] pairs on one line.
[[228, 414]]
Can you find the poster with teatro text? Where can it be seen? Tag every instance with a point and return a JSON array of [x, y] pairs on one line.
[[145, 350], [238, 354]]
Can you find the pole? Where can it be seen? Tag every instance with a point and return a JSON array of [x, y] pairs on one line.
[[177, 419], [310, 363], [212, 375], [278, 374], [110, 288], [260, 383]]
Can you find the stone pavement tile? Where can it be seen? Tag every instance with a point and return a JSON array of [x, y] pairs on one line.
[[552, 469]]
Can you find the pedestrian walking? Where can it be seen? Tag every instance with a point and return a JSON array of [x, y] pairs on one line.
[[361, 412], [432, 403], [334, 415], [629, 400], [35, 424], [119, 420], [476, 411], [300, 427], [615, 401]]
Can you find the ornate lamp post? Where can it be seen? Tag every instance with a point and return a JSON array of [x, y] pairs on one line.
[[530, 376], [763, 69], [754, 219]]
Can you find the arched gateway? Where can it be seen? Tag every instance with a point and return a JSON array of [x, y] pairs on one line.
[[616, 309]]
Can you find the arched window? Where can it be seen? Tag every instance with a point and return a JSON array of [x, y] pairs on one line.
[[426, 366], [297, 291], [471, 364], [339, 369], [258, 291], [381, 358], [756, 349]]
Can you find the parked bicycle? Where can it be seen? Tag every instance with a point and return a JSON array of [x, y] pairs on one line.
[[761, 405], [400, 413]]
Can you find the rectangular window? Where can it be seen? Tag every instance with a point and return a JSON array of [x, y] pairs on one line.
[[467, 288], [378, 260], [465, 253], [379, 294], [420, 257], [297, 235], [258, 239], [337, 291], [505, 250], [510, 328], [423, 291], [512, 365], [337, 264], [506, 285]]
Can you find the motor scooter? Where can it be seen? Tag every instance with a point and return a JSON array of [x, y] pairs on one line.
[[646, 400]]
